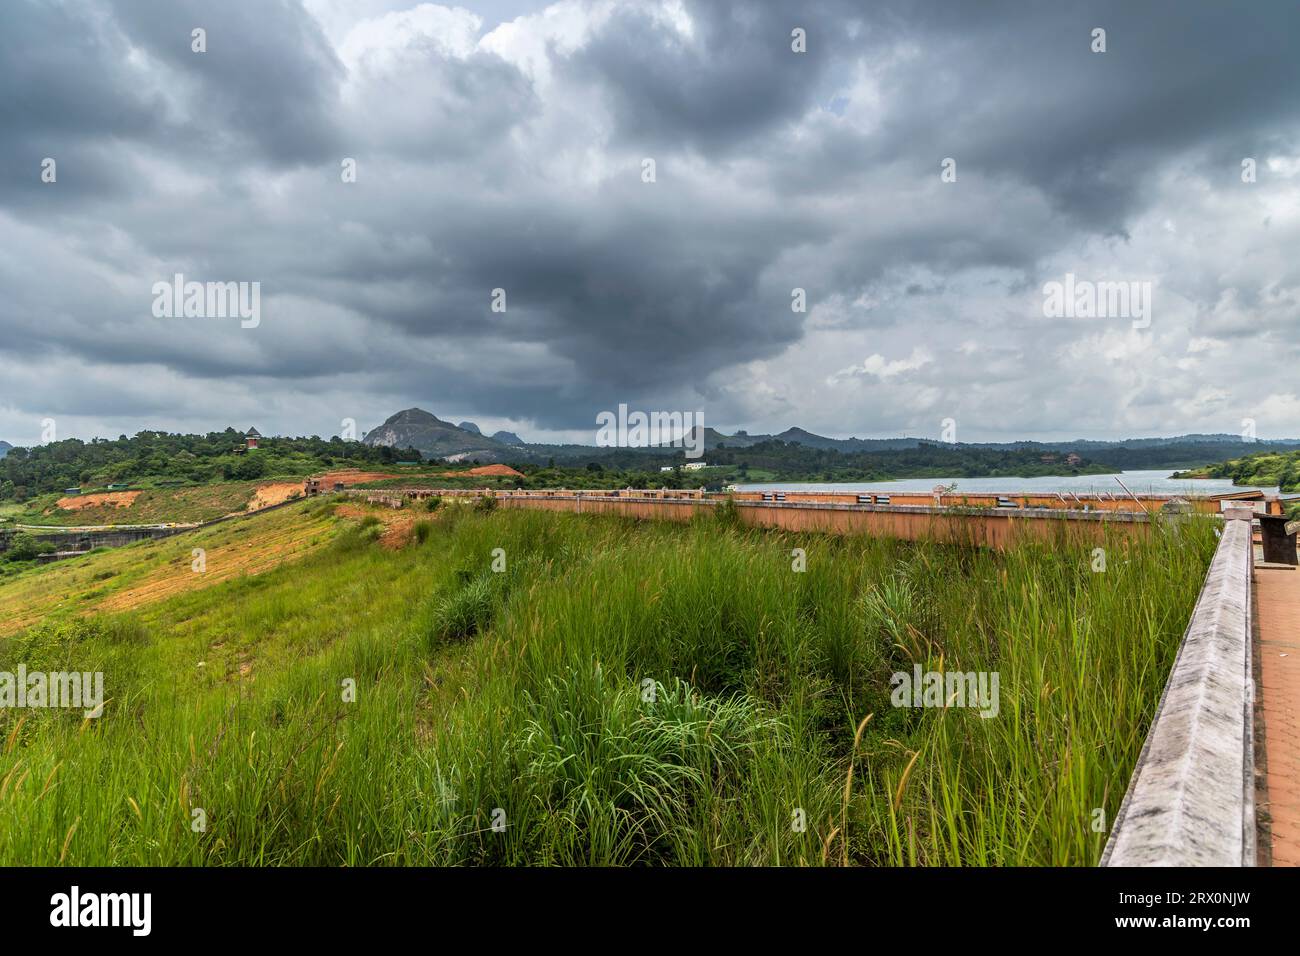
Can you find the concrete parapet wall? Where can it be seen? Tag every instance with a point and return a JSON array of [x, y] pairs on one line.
[[1190, 801], [74, 540], [984, 527], [1063, 501], [987, 528]]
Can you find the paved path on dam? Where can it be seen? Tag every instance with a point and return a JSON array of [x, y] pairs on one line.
[[1277, 596]]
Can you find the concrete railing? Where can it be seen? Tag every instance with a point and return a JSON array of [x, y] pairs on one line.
[[1191, 800], [987, 527]]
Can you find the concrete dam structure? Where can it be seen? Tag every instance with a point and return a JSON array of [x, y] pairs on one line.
[[979, 526], [73, 541]]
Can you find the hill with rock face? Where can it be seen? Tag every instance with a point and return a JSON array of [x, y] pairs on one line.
[[435, 438]]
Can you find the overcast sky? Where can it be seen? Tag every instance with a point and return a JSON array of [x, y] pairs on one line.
[[501, 145]]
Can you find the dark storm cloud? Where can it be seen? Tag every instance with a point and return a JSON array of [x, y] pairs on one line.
[[616, 282], [1019, 94], [502, 164], [84, 82], [1013, 91], [268, 80], [66, 92], [734, 80]]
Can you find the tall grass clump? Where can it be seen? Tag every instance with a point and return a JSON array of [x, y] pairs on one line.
[[465, 611]]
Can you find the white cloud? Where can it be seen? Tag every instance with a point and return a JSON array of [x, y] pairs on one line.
[[1205, 343], [877, 366], [382, 43]]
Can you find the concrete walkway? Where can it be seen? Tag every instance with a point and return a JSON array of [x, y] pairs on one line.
[[1277, 596]]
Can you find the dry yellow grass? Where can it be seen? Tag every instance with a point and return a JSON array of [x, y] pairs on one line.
[[251, 554]]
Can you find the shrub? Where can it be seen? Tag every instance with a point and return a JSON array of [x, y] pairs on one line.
[[25, 548], [628, 774], [727, 513], [360, 536], [887, 610], [465, 612]]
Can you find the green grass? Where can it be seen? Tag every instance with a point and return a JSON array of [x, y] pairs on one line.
[[622, 693]]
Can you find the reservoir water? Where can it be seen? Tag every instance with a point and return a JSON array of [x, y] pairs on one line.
[[1138, 482]]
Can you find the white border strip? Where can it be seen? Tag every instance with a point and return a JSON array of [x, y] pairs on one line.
[[1191, 801]]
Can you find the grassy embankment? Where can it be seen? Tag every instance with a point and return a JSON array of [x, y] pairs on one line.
[[526, 692], [112, 579]]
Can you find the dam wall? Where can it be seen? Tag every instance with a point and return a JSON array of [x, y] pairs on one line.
[[986, 527], [67, 540]]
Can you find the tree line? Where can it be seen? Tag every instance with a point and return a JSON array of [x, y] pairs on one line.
[[216, 456]]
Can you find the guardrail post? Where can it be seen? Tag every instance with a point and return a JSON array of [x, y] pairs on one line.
[[1278, 537]]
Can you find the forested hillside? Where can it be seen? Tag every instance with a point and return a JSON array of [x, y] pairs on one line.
[[192, 458], [1266, 468]]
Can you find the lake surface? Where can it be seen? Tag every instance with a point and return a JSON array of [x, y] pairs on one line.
[[1138, 482]]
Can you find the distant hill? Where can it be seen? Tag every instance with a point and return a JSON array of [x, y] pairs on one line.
[[801, 436], [4, 448], [1218, 438], [1182, 451], [435, 438], [806, 438]]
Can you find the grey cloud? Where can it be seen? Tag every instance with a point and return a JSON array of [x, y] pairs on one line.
[[269, 78], [734, 79], [775, 170]]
